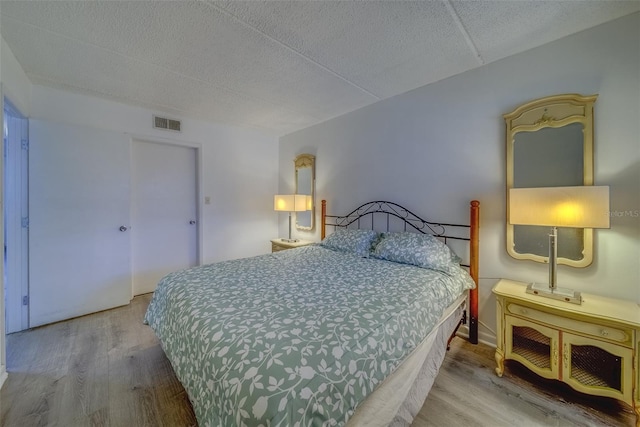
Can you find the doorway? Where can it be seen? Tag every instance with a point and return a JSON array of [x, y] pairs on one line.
[[164, 223], [16, 218]]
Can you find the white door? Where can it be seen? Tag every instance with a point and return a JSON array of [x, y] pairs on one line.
[[79, 197], [163, 212]]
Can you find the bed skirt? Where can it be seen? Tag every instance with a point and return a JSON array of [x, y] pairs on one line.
[[400, 397]]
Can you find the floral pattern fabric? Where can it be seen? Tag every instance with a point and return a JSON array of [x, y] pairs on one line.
[[422, 250], [355, 241], [294, 338]]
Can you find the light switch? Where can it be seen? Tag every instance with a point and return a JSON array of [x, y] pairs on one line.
[[207, 200]]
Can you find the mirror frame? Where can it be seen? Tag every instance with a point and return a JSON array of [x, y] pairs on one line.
[[552, 111], [303, 161]]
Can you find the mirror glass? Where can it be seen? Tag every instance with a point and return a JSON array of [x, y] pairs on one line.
[[550, 144], [305, 184], [548, 157]]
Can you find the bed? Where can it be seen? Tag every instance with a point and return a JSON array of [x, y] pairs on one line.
[[350, 331]]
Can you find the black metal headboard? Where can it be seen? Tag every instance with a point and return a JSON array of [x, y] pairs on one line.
[[385, 211], [465, 232]]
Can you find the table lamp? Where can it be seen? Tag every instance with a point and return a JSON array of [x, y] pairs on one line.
[[290, 203], [576, 207]]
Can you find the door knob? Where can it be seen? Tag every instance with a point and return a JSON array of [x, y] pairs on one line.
[[192, 222], [123, 228]]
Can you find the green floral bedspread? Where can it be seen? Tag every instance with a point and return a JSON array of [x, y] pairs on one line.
[[293, 338]]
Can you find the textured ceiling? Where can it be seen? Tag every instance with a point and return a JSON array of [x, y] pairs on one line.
[[278, 66]]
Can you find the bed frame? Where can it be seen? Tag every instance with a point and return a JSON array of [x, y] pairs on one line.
[[370, 214]]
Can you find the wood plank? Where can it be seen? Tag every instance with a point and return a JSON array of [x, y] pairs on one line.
[[83, 399], [130, 380], [37, 363]]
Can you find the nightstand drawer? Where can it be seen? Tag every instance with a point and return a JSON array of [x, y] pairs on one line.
[[278, 245], [276, 248], [604, 332]]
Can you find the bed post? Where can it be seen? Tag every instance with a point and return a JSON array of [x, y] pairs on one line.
[[473, 270], [323, 228]]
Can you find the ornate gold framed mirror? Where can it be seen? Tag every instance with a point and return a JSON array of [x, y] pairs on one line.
[[305, 177], [550, 144]]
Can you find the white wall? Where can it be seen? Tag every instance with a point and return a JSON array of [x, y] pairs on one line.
[[15, 83], [437, 147], [238, 170]]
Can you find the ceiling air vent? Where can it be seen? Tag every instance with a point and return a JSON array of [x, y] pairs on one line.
[[165, 123]]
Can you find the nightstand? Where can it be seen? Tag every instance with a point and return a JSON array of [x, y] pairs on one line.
[[593, 347], [280, 245]]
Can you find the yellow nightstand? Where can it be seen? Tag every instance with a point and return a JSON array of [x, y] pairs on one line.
[[281, 245], [593, 347]]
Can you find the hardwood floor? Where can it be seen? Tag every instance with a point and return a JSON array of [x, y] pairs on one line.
[[467, 392], [107, 369]]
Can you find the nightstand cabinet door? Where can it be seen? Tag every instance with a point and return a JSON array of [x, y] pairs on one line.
[[597, 367], [533, 345]]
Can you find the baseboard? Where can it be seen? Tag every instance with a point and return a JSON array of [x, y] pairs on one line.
[[483, 337], [3, 375]]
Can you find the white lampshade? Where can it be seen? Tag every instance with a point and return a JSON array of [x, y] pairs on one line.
[[290, 202], [309, 202], [579, 207]]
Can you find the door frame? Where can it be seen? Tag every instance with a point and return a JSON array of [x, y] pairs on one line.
[[18, 265], [3, 356], [199, 191]]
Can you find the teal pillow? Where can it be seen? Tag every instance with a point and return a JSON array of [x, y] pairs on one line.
[[358, 242], [422, 250]]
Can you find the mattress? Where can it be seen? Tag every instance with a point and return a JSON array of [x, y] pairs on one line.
[[298, 337]]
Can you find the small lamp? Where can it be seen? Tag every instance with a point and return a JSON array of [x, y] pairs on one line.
[[577, 207], [290, 203]]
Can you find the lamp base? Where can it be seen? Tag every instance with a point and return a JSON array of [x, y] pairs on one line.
[[290, 240], [562, 294]]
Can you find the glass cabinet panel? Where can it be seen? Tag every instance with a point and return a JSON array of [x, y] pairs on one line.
[[597, 367], [533, 345], [594, 367]]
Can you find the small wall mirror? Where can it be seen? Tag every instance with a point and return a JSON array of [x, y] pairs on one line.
[[550, 144], [305, 169]]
